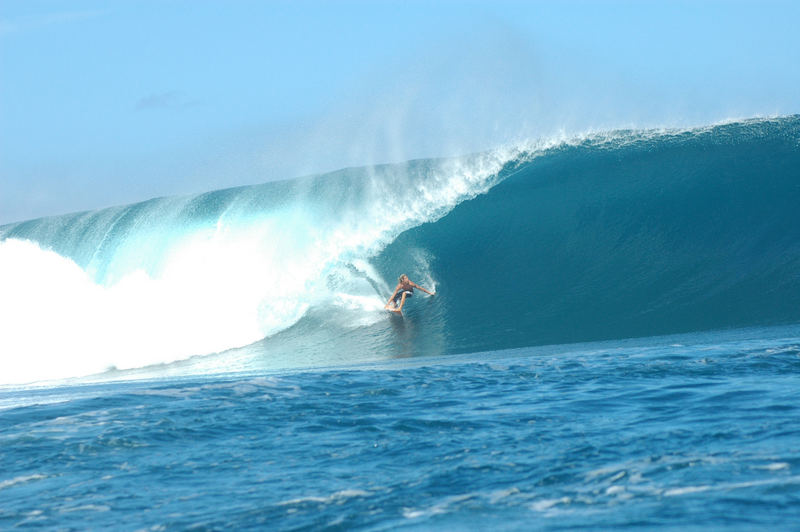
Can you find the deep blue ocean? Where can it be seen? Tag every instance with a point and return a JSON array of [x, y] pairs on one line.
[[614, 342]]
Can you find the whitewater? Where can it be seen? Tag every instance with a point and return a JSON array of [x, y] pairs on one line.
[[613, 341], [163, 280]]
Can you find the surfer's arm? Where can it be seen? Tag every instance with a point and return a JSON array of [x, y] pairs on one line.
[[418, 286], [393, 294]]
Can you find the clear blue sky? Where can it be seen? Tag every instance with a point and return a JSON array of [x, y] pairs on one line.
[[104, 103]]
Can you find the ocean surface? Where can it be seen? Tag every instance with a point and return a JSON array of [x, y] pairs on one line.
[[614, 342]]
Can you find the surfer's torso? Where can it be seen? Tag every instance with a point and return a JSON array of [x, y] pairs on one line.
[[406, 288]]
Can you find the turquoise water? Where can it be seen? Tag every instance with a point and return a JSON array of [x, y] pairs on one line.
[[613, 343]]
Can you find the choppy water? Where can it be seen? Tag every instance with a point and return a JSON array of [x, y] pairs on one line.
[[690, 432]]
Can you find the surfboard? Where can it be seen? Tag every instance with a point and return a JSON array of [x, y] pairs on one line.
[[393, 310]]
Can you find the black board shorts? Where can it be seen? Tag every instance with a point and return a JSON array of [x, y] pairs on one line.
[[400, 294]]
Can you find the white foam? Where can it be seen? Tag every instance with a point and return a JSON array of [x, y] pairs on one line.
[[328, 499], [775, 466], [673, 492], [20, 480], [215, 288], [86, 508], [728, 486], [543, 505], [57, 322], [446, 505]]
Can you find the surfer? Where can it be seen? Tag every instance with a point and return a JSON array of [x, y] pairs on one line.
[[405, 289]]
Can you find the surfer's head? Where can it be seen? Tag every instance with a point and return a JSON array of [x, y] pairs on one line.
[[403, 278]]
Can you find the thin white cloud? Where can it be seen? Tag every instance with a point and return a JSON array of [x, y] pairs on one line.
[[164, 100]]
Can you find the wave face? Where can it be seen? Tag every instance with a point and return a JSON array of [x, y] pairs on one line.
[[624, 234], [632, 235]]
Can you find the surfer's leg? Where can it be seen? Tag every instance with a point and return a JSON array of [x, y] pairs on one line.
[[402, 301], [393, 305]]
